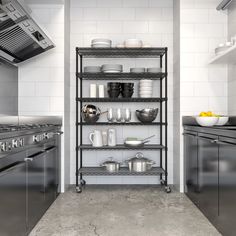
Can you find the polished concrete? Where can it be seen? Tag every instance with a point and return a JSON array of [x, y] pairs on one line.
[[123, 211]]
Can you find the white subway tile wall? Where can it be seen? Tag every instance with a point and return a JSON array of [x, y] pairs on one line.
[[202, 86], [151, 21], [41, 79]]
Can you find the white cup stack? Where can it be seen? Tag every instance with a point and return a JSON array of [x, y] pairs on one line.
[[145, 88]]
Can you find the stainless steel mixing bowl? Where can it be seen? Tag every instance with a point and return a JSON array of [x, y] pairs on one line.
[[147, 115]]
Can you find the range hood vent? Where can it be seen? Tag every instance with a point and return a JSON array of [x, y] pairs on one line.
[[224, 5], [20, 36]]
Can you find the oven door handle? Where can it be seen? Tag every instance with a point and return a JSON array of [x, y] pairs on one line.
[[50, 149], [58, 133], [34, 156], [5, 171]]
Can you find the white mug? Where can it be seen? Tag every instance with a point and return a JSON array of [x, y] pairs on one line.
[[93, 90], [96, 138], [111, 137]]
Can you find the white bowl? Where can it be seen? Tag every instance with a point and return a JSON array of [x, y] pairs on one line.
[[133, 43], [222, 120], [207, 121]]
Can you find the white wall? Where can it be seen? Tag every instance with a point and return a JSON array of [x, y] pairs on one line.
[[203, 87], [151, 21], [232, 68], [41, 79]]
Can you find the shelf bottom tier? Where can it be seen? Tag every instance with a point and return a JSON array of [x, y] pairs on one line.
[[93, 171]]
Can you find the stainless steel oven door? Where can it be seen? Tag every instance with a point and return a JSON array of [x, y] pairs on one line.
[[13, 198]]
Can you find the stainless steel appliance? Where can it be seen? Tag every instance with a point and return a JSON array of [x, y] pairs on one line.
[[29, 174], [20, 36]]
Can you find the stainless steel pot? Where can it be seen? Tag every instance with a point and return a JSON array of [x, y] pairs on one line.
[[139, 163], [111, 166]]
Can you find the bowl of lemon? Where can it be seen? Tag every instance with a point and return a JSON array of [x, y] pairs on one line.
[[207, 119]]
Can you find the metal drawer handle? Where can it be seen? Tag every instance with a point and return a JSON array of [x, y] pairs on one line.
[[226, 143]]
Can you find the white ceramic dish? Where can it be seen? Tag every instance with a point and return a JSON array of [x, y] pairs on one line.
[[111, 71], [101, 40], [222, 120], [207, 121], [100, 46], [133, 43]]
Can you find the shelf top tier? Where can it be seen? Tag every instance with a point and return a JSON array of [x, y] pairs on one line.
[[120, 76], [122, 52]]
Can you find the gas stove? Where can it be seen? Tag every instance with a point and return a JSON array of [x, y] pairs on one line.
[[14, 138]]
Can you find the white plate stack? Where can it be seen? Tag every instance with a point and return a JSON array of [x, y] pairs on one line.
[[145, 88], [112, 68], [101, 43]]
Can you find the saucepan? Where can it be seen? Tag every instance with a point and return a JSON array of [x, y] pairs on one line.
[[134, 142]]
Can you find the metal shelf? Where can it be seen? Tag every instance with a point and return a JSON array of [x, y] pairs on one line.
[[123, 147], [120, 76], [123, 171], [121, 52], [122, 99], [122, 123]]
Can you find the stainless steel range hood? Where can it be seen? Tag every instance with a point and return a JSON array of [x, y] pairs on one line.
[[20, 36], [224, 5]]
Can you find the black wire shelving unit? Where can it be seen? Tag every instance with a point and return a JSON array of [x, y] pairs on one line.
[[159, 53]]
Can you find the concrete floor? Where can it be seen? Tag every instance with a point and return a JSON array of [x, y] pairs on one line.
[[123, 211]]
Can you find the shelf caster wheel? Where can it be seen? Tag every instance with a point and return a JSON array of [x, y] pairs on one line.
[[82, 182], [168, 189], [78, 189], [162, 182]]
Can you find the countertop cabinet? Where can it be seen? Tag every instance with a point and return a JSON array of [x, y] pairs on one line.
[[191, 171], [208, 176], [227, 186], [211, 180]]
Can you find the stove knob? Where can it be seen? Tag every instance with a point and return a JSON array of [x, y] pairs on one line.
[[21, 142], [9, 146], [3, 147], [45, 136], [15, 143], [36, 138]]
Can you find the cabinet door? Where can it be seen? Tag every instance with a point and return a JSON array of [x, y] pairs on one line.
[[13, 200], [35, 186], [191, 168], [208, 176], [227, 186], [50, 175]]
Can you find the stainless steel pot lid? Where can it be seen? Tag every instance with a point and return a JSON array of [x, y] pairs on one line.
[[139, 157]]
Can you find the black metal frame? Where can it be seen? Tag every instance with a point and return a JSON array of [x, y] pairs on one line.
[[162, 77]]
